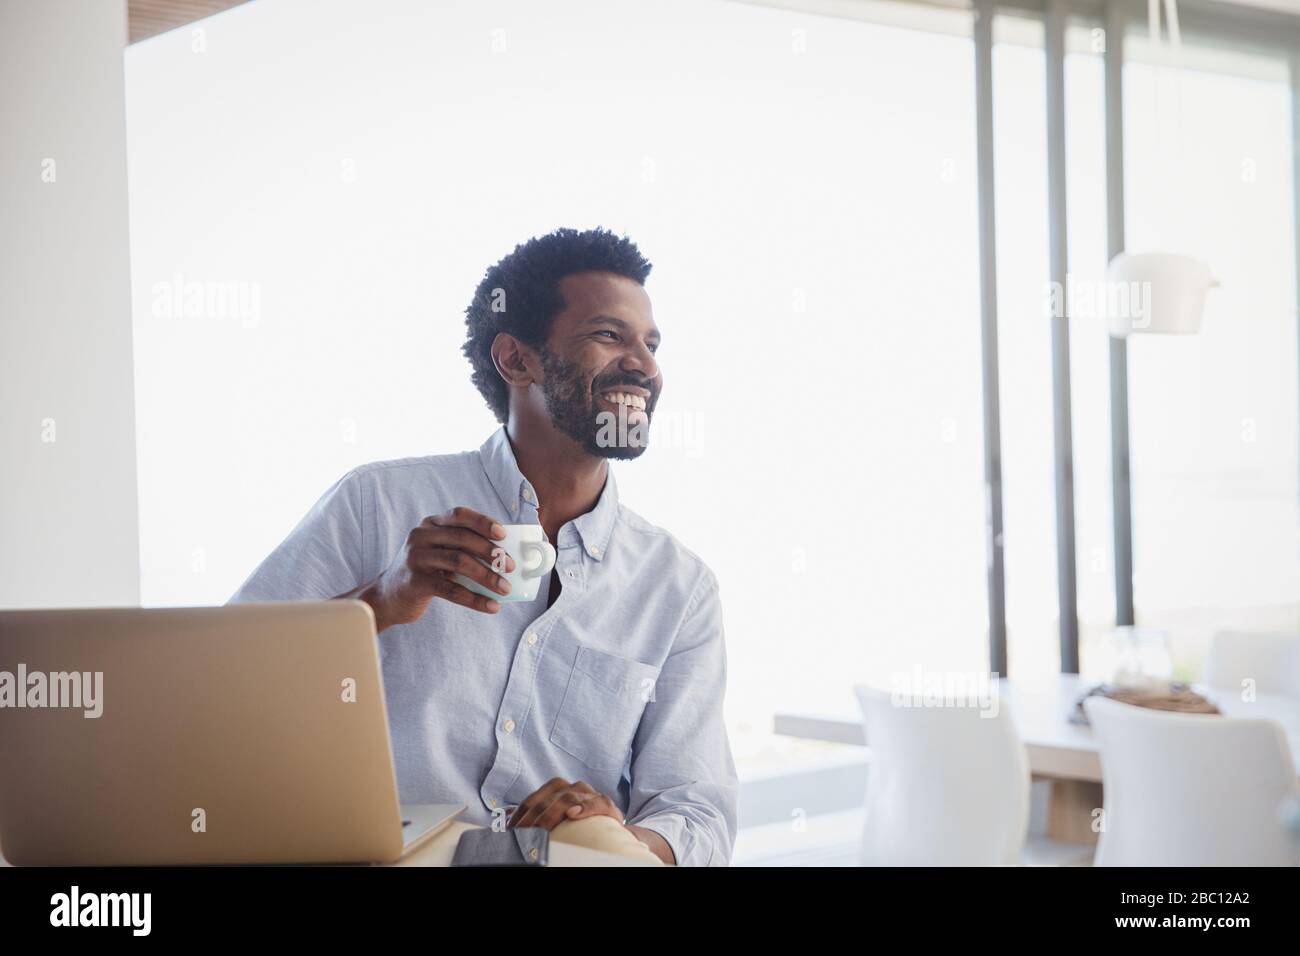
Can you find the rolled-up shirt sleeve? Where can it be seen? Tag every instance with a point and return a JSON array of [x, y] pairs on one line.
[[322, 557], [683, 777]]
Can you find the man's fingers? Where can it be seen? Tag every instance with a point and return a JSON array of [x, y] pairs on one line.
[[433, 560], [441, 586], [585, 804], [468, 518], [459, 539], [558, 801], [533, 805], [579, 808], [532, 808], [559, 806], [528, 812]]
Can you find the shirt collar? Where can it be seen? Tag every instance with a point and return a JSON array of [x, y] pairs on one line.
[[594, 529]]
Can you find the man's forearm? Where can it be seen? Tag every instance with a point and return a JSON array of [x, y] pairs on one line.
[[367, 593], [657, 844]]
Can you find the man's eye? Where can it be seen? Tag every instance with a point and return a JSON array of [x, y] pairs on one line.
[[613, 335]]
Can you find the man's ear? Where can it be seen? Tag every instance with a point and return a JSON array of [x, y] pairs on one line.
[[516, 362]]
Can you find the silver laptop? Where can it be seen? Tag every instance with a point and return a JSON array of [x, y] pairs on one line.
[[251, 733]]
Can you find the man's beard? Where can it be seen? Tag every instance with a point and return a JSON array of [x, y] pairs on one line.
[[572, 406]]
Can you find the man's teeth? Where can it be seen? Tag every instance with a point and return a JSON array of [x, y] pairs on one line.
[[622, 398]]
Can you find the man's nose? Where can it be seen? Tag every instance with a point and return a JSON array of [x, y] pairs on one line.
[[641, 360]]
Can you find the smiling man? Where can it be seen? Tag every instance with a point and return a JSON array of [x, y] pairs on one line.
[[602, 697]]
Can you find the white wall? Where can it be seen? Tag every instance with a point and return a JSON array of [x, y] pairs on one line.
[[68, 515]]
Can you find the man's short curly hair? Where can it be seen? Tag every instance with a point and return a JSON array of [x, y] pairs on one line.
[[520, 295]]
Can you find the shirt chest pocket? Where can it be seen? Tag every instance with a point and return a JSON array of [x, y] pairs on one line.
[[602, 708]]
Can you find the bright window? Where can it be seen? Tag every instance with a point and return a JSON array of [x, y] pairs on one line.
[[804, 185], [1208, 156]]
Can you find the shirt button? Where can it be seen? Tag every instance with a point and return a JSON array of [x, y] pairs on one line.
[[528, 494], [532, 854], [492, 804], [571, 573], [532, 638], [595, 552], [510, 726]]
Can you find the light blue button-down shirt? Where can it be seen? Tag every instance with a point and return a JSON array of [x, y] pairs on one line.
[[620, 683]]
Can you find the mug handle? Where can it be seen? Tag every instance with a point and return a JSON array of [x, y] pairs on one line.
[[538, 558]]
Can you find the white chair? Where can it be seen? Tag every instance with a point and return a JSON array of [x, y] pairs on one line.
[[1191, 789], [1272, 661], [948, 786]]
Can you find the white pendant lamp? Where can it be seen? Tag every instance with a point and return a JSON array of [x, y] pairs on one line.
[[1156, 292]]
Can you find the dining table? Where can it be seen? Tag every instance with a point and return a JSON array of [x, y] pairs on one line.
[[1061, 751]]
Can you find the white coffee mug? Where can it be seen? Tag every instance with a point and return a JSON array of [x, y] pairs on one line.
[[534, 558]]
